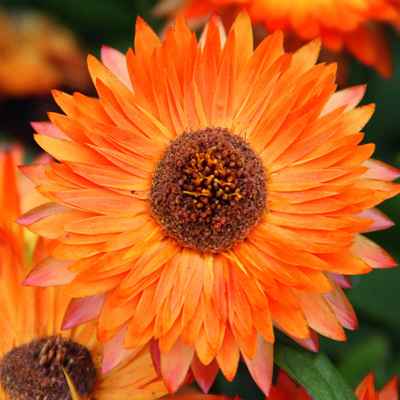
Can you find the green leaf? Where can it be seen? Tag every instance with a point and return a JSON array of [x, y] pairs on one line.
[[313, 371]]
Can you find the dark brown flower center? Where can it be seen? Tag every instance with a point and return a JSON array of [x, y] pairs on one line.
[[34, 371], [208, 190]]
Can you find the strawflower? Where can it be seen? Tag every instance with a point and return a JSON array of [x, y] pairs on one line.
[[286, 389], [37, 55], [212, 193], [366, 389], [345, 26], [35, 355]]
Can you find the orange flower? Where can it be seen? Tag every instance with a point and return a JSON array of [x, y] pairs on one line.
[[366, 389], [286, 389], [31, 317], [212, 193], [37, 55], [353, 26]]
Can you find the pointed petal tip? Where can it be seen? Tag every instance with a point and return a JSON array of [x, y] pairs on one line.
[[379, 170], [65, 325], [350, 98], [105, 367], [180, 19], [140, 20], [114, 356], [90, 59], [26, 282], [114, 351], [317, 42], [82, 310], [50, 272], [140, 24], [155, 356], [24, 220], [312, 343], [314, 45], [175, 365], [379, 220], [214, 20], [204, 374], [279, 34], [33, 124], [55, 92], [261, 366], [69, 322], [33, 215], [391, 390], [243, 18]]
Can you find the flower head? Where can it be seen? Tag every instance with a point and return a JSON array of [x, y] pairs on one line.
[[35, 355], [286, 389], [37, 55], [343, 25], [213, 192], [366, 389]]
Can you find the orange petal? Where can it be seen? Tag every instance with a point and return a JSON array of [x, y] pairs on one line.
[[102, 201], [379, 170], [50, 272], [79, 288], [341, 306], [67, 150], [114, 352], [228, 355], [350, 97], [204, 375], [261, 365], [203, 349], [48, 129], [380, 220], [391, 390], [366, 389], [320, 315], [82, 310], [371, 253], [116, 63], [175, 365]]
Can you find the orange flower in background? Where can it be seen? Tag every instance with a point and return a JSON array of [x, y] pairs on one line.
[[356, 27], [30, 321], [213, 192], [286, 389], [12, 204], [366, 389], [37, 55]]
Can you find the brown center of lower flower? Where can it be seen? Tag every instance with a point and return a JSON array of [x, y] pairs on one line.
[[208, 190], [35, 370]]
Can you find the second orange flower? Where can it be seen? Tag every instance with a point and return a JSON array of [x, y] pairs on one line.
[[345, 26]]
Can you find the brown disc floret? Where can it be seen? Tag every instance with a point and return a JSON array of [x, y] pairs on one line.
[[37, 370], [208, 190]]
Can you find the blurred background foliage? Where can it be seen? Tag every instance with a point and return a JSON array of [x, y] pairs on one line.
[[375, 297]]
